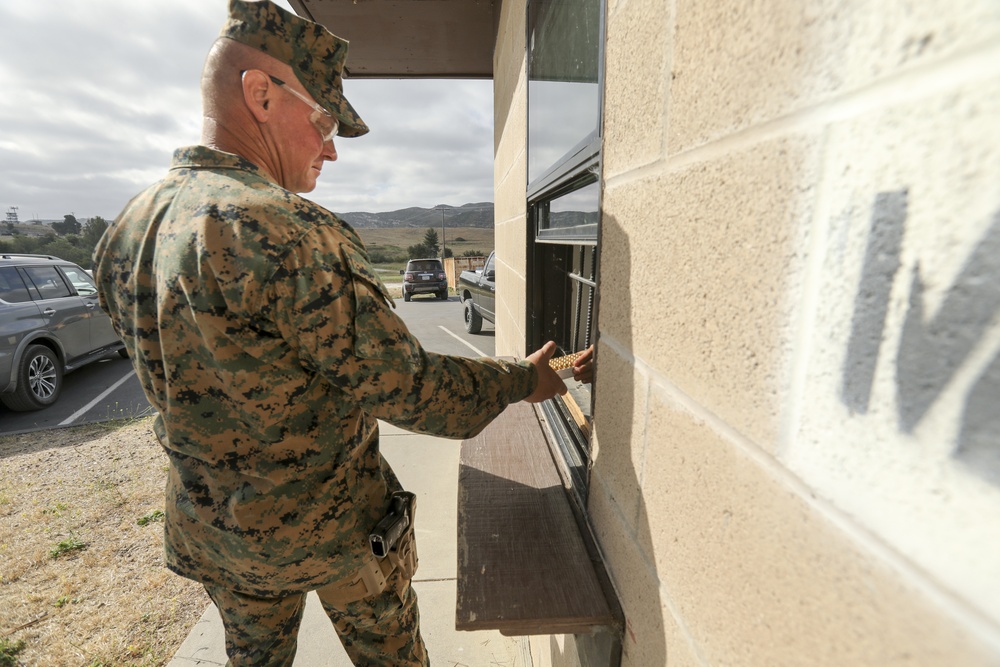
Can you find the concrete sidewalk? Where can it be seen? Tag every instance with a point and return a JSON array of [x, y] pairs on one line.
[[428, 466]]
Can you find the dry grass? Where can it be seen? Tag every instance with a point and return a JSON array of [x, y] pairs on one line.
[[401, 237], [110, 601], [398, 239]]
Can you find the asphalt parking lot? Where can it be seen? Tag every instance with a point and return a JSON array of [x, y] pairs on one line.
[[109, 389]]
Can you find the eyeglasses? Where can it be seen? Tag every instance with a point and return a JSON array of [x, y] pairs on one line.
[[321, 119]]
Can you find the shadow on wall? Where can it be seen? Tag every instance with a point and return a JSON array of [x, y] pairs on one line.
[[931, 351]]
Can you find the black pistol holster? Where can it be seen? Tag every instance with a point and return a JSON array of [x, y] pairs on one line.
[[394, 547], [393, 537]]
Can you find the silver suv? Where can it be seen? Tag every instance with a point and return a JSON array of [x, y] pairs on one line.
[[50, 324]]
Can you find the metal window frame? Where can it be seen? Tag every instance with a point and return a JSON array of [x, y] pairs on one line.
[[579, 167]]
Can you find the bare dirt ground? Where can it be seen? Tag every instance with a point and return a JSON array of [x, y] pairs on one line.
[[82, 581]]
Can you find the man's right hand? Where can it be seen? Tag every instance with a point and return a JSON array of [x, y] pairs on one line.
[[549, 382], [583, 367]]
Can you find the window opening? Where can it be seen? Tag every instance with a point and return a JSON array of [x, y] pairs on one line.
[[565, 53], [47, 282], [12, 288], [82, 283]]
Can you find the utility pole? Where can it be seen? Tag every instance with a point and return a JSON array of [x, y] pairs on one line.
[[442, 234]]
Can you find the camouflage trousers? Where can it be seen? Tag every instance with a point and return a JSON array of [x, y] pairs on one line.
[[378, 631]]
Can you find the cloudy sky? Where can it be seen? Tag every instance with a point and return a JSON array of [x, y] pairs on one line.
[[97, 94]]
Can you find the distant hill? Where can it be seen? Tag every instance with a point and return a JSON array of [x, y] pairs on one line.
[[467, 215]]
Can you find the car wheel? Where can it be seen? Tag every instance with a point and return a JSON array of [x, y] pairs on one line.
[[39, 381], [473, 320], [443, 295], [406, 296]]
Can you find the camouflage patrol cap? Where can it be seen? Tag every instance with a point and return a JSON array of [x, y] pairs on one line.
[[316, 55]]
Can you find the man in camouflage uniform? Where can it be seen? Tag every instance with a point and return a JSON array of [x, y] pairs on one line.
[[265, 341]]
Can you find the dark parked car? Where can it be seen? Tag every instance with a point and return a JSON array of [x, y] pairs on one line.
[[478, 291], [425, 276], [50, 324]]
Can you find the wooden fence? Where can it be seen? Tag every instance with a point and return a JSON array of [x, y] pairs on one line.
[[453, 266]]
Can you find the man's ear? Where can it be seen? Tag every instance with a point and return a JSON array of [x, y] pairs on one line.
[[257, 91]]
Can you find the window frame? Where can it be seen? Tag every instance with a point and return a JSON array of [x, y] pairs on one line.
[[20, 288], [578, 168], [34, 277]]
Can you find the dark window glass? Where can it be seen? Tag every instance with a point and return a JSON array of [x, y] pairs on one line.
[[12, 289], [426, 265], [48, 281]]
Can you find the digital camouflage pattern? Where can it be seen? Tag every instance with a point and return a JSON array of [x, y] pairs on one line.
[[266, 343], [379, 631], [317, 55]]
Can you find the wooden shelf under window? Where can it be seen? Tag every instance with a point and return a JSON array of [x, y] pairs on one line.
[[523, 567], [572, 399]]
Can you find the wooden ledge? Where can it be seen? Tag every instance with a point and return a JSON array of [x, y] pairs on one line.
[[523, 568]]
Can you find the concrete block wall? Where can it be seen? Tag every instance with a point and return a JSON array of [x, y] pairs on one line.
[[510, 174], [797, 422]]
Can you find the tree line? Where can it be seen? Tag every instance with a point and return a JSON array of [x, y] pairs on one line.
[[70, 240], [75, 242], [430, 247]]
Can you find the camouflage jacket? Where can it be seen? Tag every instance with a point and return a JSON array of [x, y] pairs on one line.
[[267, 344]]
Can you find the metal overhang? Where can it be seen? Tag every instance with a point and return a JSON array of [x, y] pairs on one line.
[[410, 38]]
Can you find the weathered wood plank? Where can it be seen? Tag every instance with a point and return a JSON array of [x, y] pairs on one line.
[[523, 567]]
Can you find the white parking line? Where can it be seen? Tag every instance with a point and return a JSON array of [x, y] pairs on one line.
[[464, 342], [79, 413]]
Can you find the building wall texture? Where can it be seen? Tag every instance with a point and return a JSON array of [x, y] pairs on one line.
[[797, 403], [510, 173]]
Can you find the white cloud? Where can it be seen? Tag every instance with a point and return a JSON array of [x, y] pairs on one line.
[[98, 94]]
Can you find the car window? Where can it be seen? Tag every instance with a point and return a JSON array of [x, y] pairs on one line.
[[47, 281], [429, 265], [12, 289], [490, 264], [83, 283]]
